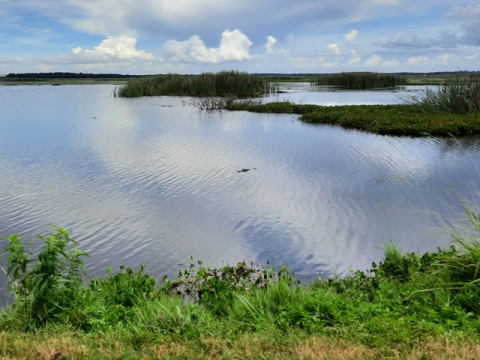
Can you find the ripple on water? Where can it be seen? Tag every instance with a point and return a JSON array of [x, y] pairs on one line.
[[142, 182]]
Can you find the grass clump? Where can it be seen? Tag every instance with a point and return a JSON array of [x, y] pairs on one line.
[[360, 80], [458, 95], [224, 83], [408, 306], [400, 120]]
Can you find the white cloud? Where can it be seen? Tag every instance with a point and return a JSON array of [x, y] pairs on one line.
[[334, 48], [310, 63], [352, 35], [355, 59], [234, 46], [391, 63], [373, 60], [121, 47], [269, 46], [419, 60], [446, 58]]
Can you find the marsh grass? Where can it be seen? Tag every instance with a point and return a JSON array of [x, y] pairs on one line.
[[380, 119], [458, 95], [409, 304], [221, 84], [360, 80]]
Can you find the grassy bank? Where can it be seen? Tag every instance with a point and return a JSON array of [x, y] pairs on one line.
[[398, 120], [407, 306], [225, 83]]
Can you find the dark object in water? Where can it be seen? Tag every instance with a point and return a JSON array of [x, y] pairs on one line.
[[245, 170]]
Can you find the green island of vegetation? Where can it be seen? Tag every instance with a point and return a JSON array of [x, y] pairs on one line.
[[407, 306], [451, 110]]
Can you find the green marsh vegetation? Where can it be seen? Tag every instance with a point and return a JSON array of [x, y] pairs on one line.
[[225, 83], [458, 95], [451, 109], [360, 80], [408, 305], [398, 120]]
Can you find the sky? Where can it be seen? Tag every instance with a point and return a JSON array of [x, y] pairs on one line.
[[257, 36]]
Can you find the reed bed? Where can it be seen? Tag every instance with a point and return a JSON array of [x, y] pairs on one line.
[[224, 83], [458, 95], [360, 80]]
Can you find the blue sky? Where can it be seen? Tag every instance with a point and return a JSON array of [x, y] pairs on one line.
[[268, 36]]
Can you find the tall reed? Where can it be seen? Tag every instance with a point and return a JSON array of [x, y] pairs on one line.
[[458, 95], [360, 80], [224, 83]]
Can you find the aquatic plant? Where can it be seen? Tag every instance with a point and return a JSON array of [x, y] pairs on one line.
[[224, 84], [360, 80], [381, 119], [458, 95]]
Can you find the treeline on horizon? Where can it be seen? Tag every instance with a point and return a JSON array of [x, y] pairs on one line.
[[68, 75], [72, 75]]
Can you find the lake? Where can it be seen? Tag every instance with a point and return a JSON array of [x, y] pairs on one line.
[[154, 180]]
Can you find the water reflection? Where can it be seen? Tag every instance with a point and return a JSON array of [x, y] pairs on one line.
[[152, 180]]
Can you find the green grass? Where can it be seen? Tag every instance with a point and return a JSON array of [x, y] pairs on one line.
[[360, 80], [458, 95], [397, 120], [408, 306], [225, 83]]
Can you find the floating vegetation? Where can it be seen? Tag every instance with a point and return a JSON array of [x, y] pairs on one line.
[[379, 119], [224, 83], [360, 80]]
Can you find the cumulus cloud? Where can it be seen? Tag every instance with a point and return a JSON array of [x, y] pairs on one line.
[[373, 60], [269, 46], [355, 59], [352, 35], [418, 60], [446, 58], [334, 48], [234, 46], [121, 47], [311, 63]]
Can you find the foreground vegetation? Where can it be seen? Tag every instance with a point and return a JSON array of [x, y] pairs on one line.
[[407, 306]]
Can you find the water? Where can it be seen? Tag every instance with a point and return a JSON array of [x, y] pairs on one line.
[[153, 180], [304, 93]]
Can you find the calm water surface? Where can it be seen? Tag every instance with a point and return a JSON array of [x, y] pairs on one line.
[[153, 180]]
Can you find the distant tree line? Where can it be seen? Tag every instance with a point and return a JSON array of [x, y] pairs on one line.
[[68, 75]]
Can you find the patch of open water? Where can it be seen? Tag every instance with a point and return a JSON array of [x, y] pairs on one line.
[[152, 180]]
